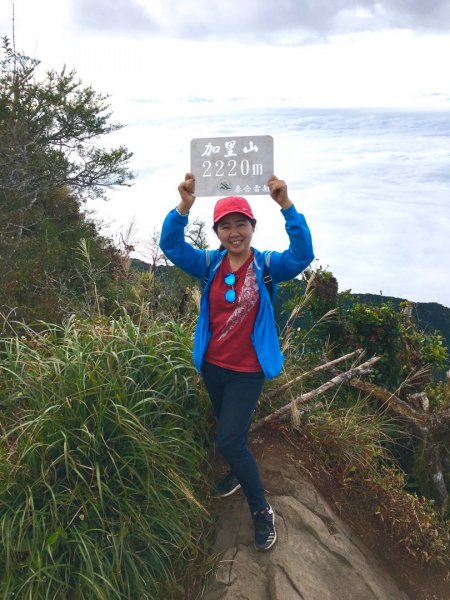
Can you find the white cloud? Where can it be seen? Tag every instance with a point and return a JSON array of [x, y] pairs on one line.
[[246, 19], [118, 16]]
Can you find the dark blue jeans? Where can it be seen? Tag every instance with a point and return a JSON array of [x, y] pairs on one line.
[[233, 397]]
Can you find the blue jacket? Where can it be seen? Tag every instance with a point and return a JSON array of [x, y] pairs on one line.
[[282, 266]]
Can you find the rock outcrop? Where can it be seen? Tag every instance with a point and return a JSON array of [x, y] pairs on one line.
[[317, 557]]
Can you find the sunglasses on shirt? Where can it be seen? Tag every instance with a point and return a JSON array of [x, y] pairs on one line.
[[230, 279]]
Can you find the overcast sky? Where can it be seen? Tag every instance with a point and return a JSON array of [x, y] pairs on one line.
[[179, 69]]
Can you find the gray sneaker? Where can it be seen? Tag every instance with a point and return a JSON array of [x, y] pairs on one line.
[[265, 534], [228, 485]]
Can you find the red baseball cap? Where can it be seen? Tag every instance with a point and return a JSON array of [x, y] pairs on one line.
[[232, 204]]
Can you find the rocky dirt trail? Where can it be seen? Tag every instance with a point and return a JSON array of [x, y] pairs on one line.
[[317, 557]]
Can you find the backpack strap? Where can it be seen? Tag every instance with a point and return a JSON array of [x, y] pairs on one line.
[[267, 279], [208, 267]]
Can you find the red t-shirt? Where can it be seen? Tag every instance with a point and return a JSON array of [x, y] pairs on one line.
[[232, 323]]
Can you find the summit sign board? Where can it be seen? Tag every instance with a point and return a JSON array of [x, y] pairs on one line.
[[232, 166]]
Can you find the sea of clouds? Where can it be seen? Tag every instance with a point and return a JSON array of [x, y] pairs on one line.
[[374, 186]]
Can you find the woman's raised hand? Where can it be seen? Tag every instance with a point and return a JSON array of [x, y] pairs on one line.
[[186, 190], [278, 191]]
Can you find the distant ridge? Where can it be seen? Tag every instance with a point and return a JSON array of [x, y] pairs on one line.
[[139, 265]]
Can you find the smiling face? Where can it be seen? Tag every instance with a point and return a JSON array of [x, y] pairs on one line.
[[235, 232]]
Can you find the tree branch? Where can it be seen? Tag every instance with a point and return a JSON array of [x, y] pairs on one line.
[[418, 420], [337, 380], [318, 369]]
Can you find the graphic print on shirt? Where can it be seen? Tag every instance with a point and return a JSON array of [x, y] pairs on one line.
[[247, 299]]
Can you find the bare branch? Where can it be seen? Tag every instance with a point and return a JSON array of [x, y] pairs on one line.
[[318, 369], [417, 419], [337, 380]]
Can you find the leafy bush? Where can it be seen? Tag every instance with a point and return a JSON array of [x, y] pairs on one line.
[[102, 462], [322, 317]]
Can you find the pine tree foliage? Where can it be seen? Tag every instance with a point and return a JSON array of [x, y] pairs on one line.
[[49, 130]]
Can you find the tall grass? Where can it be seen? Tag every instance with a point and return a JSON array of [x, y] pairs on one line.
[[101, 462]]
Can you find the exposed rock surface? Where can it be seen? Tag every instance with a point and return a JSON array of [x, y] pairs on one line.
[[316, 557]]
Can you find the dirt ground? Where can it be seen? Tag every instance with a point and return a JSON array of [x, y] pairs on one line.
[[418, 581]]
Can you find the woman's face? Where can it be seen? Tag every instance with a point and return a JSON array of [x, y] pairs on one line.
[[235, 232]]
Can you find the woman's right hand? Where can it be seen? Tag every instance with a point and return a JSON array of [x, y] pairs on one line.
[[186, 190]]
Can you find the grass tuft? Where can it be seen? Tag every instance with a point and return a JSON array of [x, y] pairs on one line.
[[102, 461]]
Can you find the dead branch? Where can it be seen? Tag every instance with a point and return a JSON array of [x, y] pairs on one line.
[[323, 367], [302, 411], [337, 380], [418, 420]]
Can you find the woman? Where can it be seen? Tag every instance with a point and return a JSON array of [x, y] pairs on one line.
[[236, 343]]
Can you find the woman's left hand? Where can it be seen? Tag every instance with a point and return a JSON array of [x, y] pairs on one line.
[[278, 191]]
